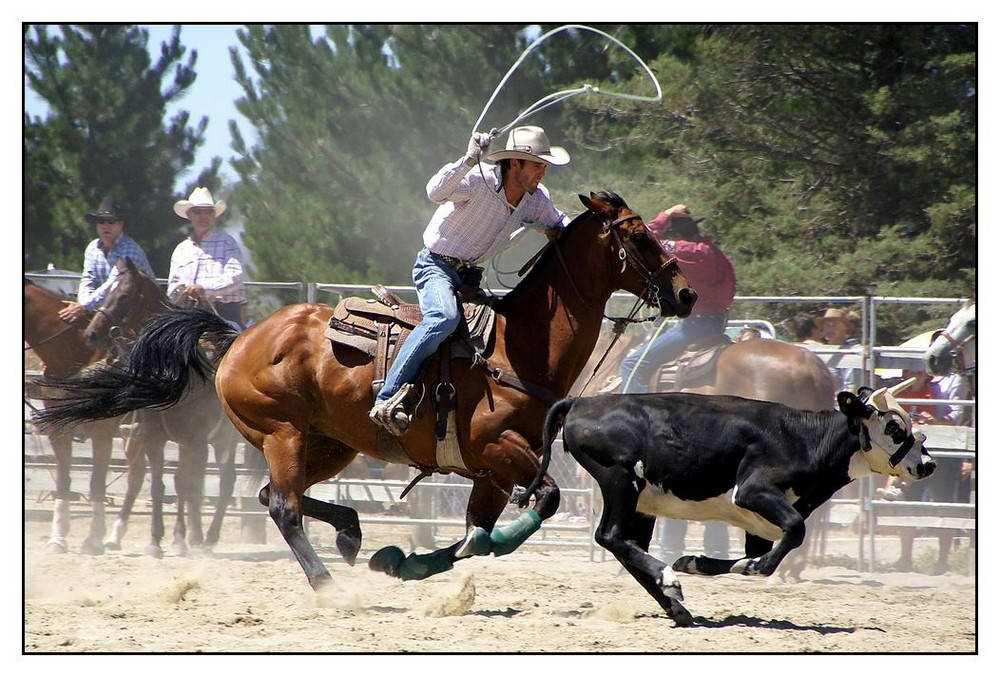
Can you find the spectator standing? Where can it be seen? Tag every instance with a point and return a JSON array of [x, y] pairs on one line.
[[838, 331], [950, 483]]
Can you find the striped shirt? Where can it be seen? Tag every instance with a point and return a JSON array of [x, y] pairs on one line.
[[215, 263], [473, 220], [99, 271]]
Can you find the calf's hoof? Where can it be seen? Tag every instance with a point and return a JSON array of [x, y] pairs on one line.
[[679, 615]]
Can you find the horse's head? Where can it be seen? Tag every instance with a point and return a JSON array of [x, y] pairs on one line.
[[637, 261], [954, 347], [127, 305]]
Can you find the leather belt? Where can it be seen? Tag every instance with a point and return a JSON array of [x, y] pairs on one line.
[[458, 264]]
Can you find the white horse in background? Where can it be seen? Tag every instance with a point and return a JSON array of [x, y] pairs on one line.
[[953, 349]]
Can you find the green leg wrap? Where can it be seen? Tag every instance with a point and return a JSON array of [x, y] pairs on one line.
[[418, 567], [508, 538]]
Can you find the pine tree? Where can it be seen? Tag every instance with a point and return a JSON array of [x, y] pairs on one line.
[[105, 135]]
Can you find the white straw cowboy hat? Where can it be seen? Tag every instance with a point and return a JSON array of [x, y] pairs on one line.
[[200, 197], [530, 143]]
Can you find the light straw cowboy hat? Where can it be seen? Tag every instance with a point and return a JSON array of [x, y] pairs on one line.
[[200, 197], [838, 315], [530, 143]]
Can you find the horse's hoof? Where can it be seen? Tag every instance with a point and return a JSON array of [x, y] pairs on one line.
[[388, 560], [349, 545], [154, 551], [57, 546], [112, 545], [92, 547]]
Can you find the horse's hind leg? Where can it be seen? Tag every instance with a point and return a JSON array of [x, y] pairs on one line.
[[101, 445], [135, 459], [225, 459], [286, 452], [189, 483], [154, 452]]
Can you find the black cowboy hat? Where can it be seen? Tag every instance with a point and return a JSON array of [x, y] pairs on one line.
[[108, 210]]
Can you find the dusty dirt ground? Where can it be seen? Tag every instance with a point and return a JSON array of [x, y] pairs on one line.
[[254, 598]]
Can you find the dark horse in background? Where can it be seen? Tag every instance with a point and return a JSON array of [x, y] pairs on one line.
[[193, 423], [63, 352], [304, 402]]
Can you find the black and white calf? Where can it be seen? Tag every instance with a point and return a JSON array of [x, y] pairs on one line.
[[760, 466]]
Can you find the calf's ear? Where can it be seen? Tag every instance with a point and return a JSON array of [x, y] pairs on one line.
[[851, 405]]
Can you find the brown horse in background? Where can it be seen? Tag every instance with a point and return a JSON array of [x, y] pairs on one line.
[[63, 352], [304, 403]]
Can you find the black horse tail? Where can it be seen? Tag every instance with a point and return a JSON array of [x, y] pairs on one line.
[[553, 421], [155, 374]]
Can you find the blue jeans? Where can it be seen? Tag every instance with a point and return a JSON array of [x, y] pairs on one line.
[[665, 347], [436, 283]]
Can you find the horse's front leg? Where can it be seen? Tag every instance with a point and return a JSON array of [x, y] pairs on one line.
[[62, 447], [486, 502], [511, 461]]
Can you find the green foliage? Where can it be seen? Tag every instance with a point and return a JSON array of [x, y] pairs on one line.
[[829, 160], [105, 134]]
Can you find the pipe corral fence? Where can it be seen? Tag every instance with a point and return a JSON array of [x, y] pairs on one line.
[[434, 509]]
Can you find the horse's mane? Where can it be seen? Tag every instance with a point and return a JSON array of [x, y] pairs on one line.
[[514, 295]]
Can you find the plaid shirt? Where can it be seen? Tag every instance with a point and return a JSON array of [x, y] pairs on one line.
[[215, 263], [473, 220], [99, 271]]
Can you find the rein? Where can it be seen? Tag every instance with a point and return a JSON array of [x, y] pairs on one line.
[[958, 350], [50, 338]]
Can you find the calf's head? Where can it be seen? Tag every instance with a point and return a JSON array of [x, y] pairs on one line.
[[888, 442]]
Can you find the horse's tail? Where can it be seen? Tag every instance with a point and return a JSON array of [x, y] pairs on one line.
[[553, 421], [155, 374]]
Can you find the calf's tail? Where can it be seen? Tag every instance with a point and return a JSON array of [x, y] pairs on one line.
[[553, 421]]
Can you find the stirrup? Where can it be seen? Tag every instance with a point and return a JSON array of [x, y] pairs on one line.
[[392, 414]]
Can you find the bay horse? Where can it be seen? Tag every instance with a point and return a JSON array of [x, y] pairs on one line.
[[194, 423], [63, 352], [304, 401], [953, 349]]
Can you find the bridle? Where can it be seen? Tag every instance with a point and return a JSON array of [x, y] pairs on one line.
[[629, 257], [120, 338], [957, 350]]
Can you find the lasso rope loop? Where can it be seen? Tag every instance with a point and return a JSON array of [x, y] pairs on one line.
[[557, 97]]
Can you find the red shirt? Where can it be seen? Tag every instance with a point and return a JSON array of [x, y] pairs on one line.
[[709, 272]]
